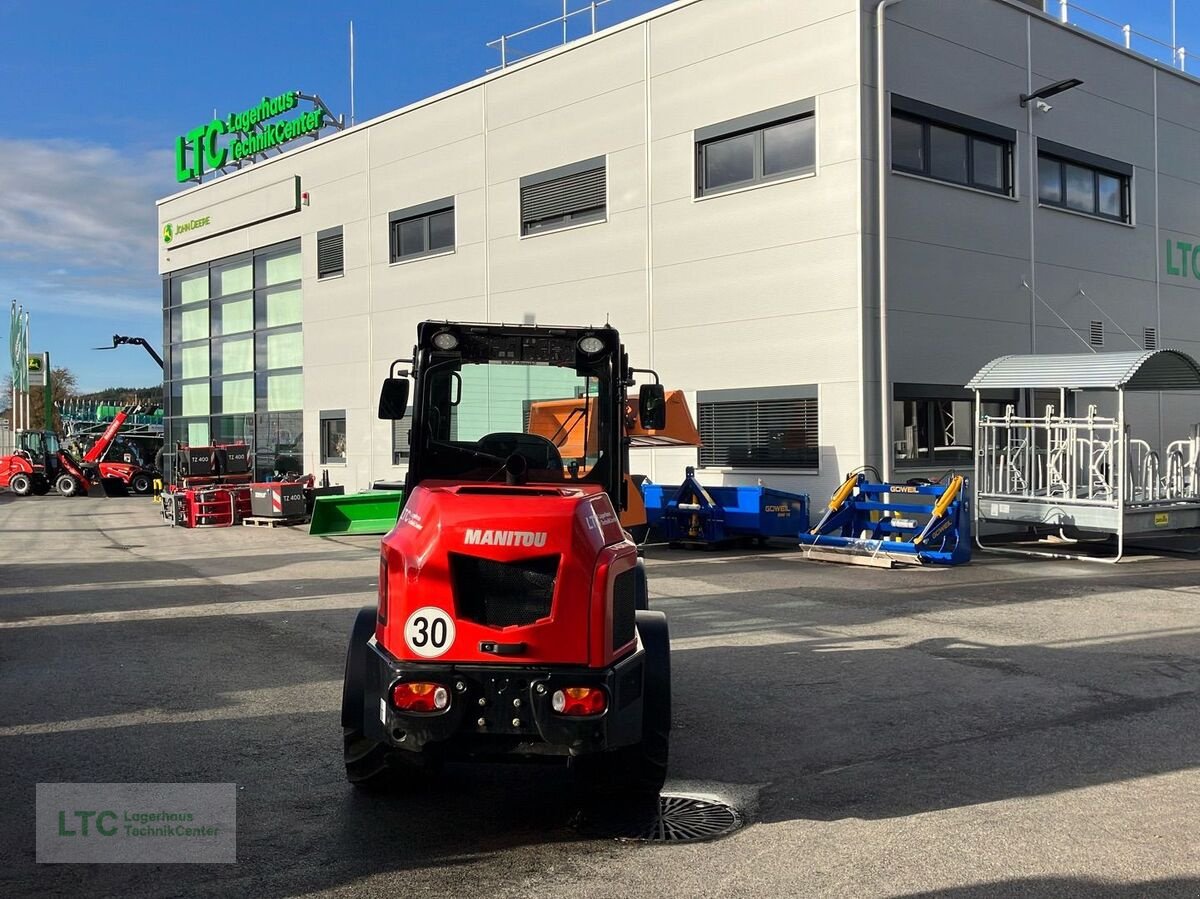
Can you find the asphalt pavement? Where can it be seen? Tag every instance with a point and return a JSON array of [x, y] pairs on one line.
[[1008, 728]]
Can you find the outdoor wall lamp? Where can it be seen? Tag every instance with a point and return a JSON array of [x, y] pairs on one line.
[[1049, 91]]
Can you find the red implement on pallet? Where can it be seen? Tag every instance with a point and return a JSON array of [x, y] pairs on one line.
[[212, 488]]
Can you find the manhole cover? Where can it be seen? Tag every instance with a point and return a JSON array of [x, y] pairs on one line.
[[674, 819]]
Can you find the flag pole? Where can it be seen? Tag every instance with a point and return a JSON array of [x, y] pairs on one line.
[[47, 395], [13, 319], [25, 368], [18, 368]]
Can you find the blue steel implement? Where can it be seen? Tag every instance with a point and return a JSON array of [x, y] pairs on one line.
[[914, 523]]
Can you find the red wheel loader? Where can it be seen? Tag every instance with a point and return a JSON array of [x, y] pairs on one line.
[[512, 618], [38, 464]]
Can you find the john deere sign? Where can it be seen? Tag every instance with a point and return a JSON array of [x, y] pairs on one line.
[[170, 231], [253, 131], [210, 217]]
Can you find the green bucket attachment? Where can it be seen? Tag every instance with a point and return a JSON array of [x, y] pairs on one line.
[[374, 512]]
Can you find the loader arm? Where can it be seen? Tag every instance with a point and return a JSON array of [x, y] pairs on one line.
[[100, 447]]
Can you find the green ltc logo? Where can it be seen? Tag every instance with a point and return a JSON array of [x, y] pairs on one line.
[[1183, 259], [167, 233], [252, 132]]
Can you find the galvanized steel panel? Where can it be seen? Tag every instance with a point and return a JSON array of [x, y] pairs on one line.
[[1136, 370]]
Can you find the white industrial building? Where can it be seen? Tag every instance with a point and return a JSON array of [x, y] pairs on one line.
[[705, 178]]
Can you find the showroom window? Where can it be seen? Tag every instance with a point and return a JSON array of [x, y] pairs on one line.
[[1083, 182], [233, 356], [569, 195], [279, 444], [333, 436], [769, 427], [757, 148], [425, 230], [330, 260], [934, 424], [947, 146]]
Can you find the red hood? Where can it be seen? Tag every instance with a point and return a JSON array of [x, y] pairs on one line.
[[484, 555]]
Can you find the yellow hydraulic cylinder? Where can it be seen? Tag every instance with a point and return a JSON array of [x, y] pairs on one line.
[[940, 507]]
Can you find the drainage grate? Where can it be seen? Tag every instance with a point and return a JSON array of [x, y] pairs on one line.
[[673, 819]]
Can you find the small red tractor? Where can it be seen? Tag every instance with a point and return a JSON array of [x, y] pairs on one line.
[[39, 463], [512, 618]]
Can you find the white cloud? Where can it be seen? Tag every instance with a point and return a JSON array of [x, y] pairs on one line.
[[89, 202], [78, 224]]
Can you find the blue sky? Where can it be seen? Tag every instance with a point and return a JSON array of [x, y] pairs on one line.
[[94, 95]]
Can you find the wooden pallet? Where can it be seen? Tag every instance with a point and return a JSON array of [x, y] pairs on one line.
[[847, 557], [252, 521]]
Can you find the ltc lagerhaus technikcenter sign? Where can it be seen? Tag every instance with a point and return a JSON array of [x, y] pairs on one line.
[[255, 133]]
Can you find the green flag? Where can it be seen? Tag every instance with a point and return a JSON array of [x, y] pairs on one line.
[[14, 322], [23, 352]]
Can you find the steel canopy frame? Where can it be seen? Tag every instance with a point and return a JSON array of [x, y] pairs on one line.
[[1079, 472]]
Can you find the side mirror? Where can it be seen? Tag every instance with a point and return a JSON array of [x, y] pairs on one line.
[[393, 399], [652, 406]]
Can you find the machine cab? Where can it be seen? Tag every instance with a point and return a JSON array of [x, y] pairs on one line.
[[476, 387], [41, 447]]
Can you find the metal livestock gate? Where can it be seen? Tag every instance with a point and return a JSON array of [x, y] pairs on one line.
[[1081, 478]]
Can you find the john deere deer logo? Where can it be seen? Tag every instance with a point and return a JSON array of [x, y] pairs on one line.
[[168, 233]]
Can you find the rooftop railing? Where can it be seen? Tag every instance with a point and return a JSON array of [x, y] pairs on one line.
[[531, 41], [1070, 13]]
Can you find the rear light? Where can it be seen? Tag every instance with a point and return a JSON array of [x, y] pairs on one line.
[[579, 701], [420, 696], [383, 590]]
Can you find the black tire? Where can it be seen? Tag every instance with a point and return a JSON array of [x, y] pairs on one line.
[[370, 765], [639, 771], [67, 485], [641, 596], [366, 760], [40, 486], [141, 484], [21, 484]]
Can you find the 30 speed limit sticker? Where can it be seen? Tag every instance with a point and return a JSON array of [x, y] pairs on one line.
[[429, 632]]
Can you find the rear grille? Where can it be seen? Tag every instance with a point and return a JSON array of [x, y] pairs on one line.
[[624, 607], [499, 594]]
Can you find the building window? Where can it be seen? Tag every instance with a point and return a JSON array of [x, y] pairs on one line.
[[758, 148], [330, 262], [568, 195], [1150, 338], [771, 427], [948, 146], [400, 429], [333, 436], [279, 444], [233, 351], [1083, 182], [425, 230], [1096, 333], [934, 425]]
